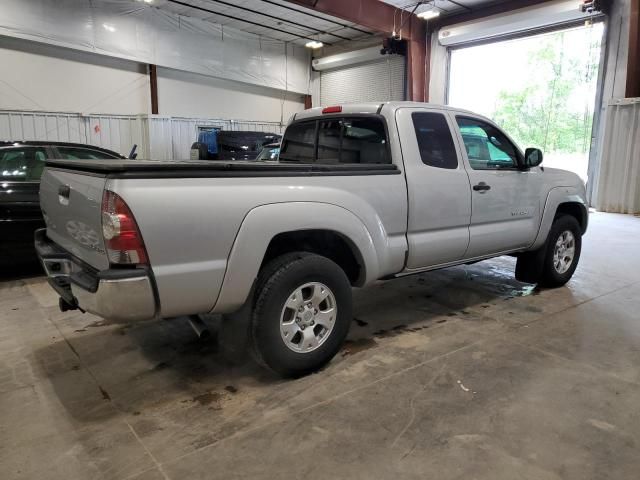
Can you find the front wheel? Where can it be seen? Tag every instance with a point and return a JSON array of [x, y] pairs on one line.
[[563, 249], [302, 313], [553, 264]]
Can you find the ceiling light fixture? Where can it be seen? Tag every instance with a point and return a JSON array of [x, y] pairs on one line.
[[313, 44], [429, 14], [109, 28]]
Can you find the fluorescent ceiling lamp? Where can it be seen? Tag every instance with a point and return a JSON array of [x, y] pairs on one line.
[[429, 14], [313, 44], [109, 28]]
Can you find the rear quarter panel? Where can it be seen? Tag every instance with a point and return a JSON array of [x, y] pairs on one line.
[[189, 225]]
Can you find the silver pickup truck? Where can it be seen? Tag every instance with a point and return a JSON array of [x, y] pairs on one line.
[[360, 193]]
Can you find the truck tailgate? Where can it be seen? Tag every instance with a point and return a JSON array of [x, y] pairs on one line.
[[71, 205]]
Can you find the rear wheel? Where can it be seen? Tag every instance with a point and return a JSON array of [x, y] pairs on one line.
[[302, 313]]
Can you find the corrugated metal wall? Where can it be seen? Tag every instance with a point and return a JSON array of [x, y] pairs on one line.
[[380, 80], [160, 138], [618, 180], [64, 127]]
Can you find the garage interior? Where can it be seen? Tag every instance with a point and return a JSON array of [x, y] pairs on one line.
[[461, 372]]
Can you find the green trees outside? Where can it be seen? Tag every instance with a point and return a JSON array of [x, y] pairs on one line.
[[554, 108]]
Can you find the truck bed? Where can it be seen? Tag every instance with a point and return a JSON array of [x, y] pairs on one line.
[[192, 213]]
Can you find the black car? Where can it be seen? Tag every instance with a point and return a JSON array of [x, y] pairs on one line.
[[21, 165]]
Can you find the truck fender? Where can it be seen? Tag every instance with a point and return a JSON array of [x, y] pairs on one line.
[[263, 223], [555, 197]]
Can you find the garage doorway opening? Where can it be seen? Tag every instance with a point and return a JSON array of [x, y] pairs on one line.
[[541, 89]]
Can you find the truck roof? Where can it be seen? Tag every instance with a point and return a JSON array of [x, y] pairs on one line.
[[371, 107]]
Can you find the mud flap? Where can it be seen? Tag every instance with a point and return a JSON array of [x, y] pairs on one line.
[[234, 335], [530, 265]]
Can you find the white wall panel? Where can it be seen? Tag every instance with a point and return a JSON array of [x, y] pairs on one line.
[[193, 95], [115, 132], [88, 83], [140, 32], [379, 80], [64, 127], [40, 77], [619, 177], [157, 138], [612, 77]]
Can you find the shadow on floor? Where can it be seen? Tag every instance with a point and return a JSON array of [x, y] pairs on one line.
[[153, 363], [20, 269]]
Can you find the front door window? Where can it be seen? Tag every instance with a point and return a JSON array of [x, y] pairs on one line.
[[487, 147]]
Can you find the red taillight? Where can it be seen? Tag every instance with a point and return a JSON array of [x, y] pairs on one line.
[[121, 233], [336, 109]]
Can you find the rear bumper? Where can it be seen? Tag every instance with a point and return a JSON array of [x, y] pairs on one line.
[[122, 295]]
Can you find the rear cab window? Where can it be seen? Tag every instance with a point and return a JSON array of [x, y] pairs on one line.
[[337, 140], [435, 141]]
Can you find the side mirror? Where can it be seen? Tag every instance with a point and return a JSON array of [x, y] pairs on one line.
[[532, 157]]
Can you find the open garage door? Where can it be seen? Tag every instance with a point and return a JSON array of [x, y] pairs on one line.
[[540, 88], [535, 71], [377, 80]]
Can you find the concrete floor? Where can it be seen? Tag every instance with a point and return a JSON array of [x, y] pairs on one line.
[[463, 373]]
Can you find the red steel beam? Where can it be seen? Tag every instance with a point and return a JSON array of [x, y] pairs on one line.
[[633, 60], [379, 16], [373, 14]]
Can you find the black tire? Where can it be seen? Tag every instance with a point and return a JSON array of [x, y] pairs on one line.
[[550, 276], [276, 282]]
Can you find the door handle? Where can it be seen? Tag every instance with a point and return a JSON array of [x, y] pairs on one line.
[[63, 194], [64, 191], [481, 187]]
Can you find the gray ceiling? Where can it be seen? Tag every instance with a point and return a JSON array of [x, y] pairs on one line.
[[275, 19], [286, 21], [446, 7]]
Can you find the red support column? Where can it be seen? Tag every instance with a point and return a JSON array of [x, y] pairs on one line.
[[307, 102], [418, 62], [153, 83]]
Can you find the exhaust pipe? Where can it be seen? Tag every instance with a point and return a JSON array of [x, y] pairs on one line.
[[199, 327]]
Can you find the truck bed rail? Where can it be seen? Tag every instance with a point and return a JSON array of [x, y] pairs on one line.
[[212, 169]]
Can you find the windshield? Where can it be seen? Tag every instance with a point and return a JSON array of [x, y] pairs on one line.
[[269, 154]]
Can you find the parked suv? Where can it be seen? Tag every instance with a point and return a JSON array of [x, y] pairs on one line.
[[21, 165], [231, 145]]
